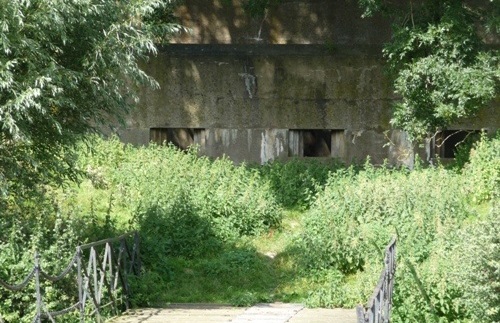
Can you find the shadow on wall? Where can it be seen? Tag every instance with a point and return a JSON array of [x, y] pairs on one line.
[[290, 22], [240, 93], [237, 99], [258, 88]]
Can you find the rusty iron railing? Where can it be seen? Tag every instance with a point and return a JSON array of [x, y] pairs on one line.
[[100, 270], [378, 308]]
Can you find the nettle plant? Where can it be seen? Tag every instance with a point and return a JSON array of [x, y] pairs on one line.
[[182, 197]]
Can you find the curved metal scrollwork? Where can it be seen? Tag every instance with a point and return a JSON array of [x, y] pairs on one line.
[[379, 306], [100, 270]]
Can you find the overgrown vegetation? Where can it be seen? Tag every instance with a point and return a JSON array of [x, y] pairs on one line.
[[304, 231], [295, 182], [441, 64], [66, 66], [212, 231], [185, 207], [441, 220]]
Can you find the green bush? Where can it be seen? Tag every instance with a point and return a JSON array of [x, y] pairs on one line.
[[475, 266], [182, 205], [459, 282], [447, 253], [175, 230], [182, 200], [196, 217], [463, 150], [232, 199], [33, 225], [483, 169], [427, 291], [356, 215], [358, 212], [295, 182]]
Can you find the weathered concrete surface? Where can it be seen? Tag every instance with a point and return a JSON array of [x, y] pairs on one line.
[[260, 313], [290, 22], [253, 88], [247, 99], [332, 22], [182, 313], [249, 86], [269, 313]]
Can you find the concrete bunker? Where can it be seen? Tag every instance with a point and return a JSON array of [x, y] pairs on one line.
[[308, 88]]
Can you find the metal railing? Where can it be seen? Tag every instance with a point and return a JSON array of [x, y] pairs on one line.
[[378, 308], [101, 270]]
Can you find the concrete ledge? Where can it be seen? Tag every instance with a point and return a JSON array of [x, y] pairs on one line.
[[271, 50]]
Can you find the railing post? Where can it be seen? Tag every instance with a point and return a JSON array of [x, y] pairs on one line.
[[387, 295], [137, 257], [37, 288], [379, 306], [87, 279], [360, 311], [80, 283]]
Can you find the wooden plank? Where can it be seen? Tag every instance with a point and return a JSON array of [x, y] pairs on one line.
[[323, 315], [269, 313], [263, 313]]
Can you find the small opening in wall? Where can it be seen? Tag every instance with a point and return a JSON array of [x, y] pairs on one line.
[[317, 143], [182, 138], [310, 143], [447, 142]]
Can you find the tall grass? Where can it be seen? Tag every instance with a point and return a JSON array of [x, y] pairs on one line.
[[213, 231], [433, 211], [233, 200]]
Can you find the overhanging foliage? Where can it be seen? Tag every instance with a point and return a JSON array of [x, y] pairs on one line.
[[442, 68], [65, 66]]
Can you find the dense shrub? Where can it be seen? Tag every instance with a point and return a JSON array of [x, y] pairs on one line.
[[483, 170], [296, 181], [175, 230], [196, 215], [359, 211], [189, 198], [33, 225], [183, 206], [475, 267], [447, 259], [461, 279]]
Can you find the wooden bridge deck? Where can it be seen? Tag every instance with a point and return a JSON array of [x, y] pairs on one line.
[[265, 313]]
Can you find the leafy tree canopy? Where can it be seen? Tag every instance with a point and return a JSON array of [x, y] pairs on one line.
[[65, 66], [442, 69]]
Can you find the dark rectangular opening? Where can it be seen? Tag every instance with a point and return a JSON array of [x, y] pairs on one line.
[[448, 141], [182, 138], [317, 143], [310, 143]]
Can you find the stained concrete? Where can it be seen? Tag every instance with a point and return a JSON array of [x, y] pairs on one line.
[[289, 22], [248, 99], [317, 65]]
